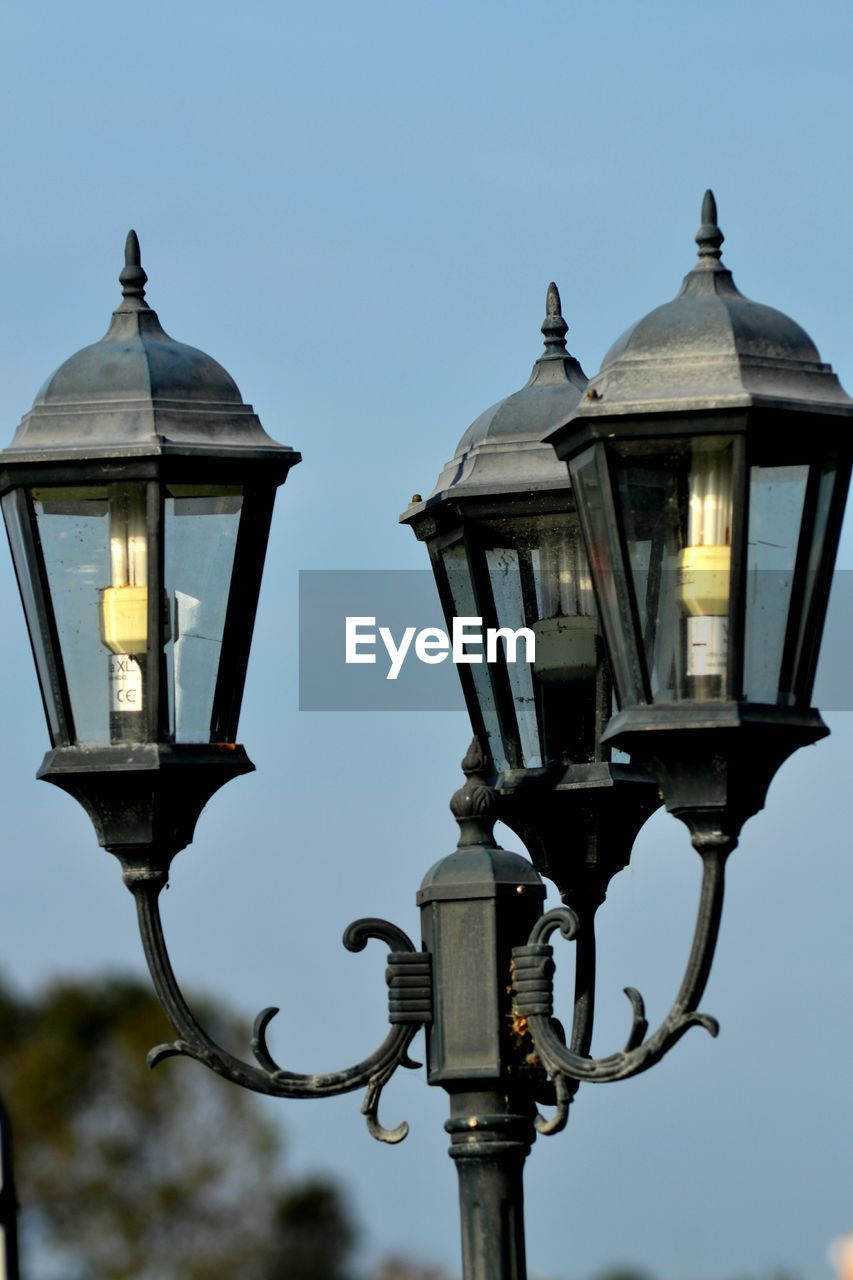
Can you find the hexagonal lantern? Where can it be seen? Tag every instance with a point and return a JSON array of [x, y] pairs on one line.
[[505, 547], [137, 494], [711, 459]]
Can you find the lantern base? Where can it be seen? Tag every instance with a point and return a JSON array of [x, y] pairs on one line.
[[578, 823], [714, 761], [145, 798]]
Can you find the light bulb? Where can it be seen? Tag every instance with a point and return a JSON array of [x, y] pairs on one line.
[[124, 604], [705, 564], [566, 632]]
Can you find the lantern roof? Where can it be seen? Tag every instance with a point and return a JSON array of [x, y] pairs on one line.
[[138, 391], [502, 450], [711, 347]]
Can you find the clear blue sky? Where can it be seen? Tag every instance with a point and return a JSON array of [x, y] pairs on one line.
[[357, 209]]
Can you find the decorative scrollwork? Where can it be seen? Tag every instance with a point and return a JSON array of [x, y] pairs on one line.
[[533, 969], [409, 1007]]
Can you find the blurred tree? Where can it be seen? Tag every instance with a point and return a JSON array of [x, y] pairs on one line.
[[395, 1268], [623, 1272], [125, 1175]]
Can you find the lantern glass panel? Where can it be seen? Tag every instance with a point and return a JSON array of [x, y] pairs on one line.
[[799, 676], [505, 575], [201, 525], [76, 535], [17, 514], [591, 482], [776, 500], [677, 510], [539, 580], [460, 585]]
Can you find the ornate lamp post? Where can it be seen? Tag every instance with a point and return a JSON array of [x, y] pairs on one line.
[[138, 494]]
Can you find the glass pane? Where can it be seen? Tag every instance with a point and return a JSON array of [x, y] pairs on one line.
[[74, 529], [201, 535], [455, 561], [17, 526], [540, 580], [505, 578], [802, 674], [676, 504], [776, 497], [591, 485]]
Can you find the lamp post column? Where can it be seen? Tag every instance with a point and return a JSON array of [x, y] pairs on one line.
[[490, 1141], [477, 905]]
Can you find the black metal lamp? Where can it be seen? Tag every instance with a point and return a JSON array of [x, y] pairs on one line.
[[711, 458], [137, 494], [506, 548]]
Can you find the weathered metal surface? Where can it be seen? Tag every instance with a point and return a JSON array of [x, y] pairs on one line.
[[533, 979], [502, 451], [709, 349], [139, 392], [409, 1009]]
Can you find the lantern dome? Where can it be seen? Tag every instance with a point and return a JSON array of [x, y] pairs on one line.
[[503, 449], [711, 346], [137, 389]]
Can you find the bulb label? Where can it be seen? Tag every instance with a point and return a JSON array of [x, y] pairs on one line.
[[125, 683], [707, 646]]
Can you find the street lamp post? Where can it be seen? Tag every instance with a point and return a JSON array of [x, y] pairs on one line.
[[138, 495], [8, 1201]]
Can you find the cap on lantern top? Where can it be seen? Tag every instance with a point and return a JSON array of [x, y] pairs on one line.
[[132, 278], [502, 450], [710, 347], [138, 391]]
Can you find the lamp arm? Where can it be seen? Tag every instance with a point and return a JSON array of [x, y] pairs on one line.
[[410, 1006], [533, 970], [583, 1016]]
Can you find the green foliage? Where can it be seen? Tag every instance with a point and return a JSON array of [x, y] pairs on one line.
[[313, 1235], [623, 1273], [404, 1269], [131, 1175]]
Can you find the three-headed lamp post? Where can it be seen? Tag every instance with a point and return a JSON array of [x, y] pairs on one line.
[[698, 520]]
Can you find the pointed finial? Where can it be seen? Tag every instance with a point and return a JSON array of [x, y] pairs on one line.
[[132, 278], [709, 237], [474, 805], [554, 327]]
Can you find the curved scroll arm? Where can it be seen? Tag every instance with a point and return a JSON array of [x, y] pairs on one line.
[[410, 1006], [579, 926], [533, 975]]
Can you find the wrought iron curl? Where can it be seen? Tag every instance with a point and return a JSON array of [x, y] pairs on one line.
[[533, 969], [410, 1006]]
